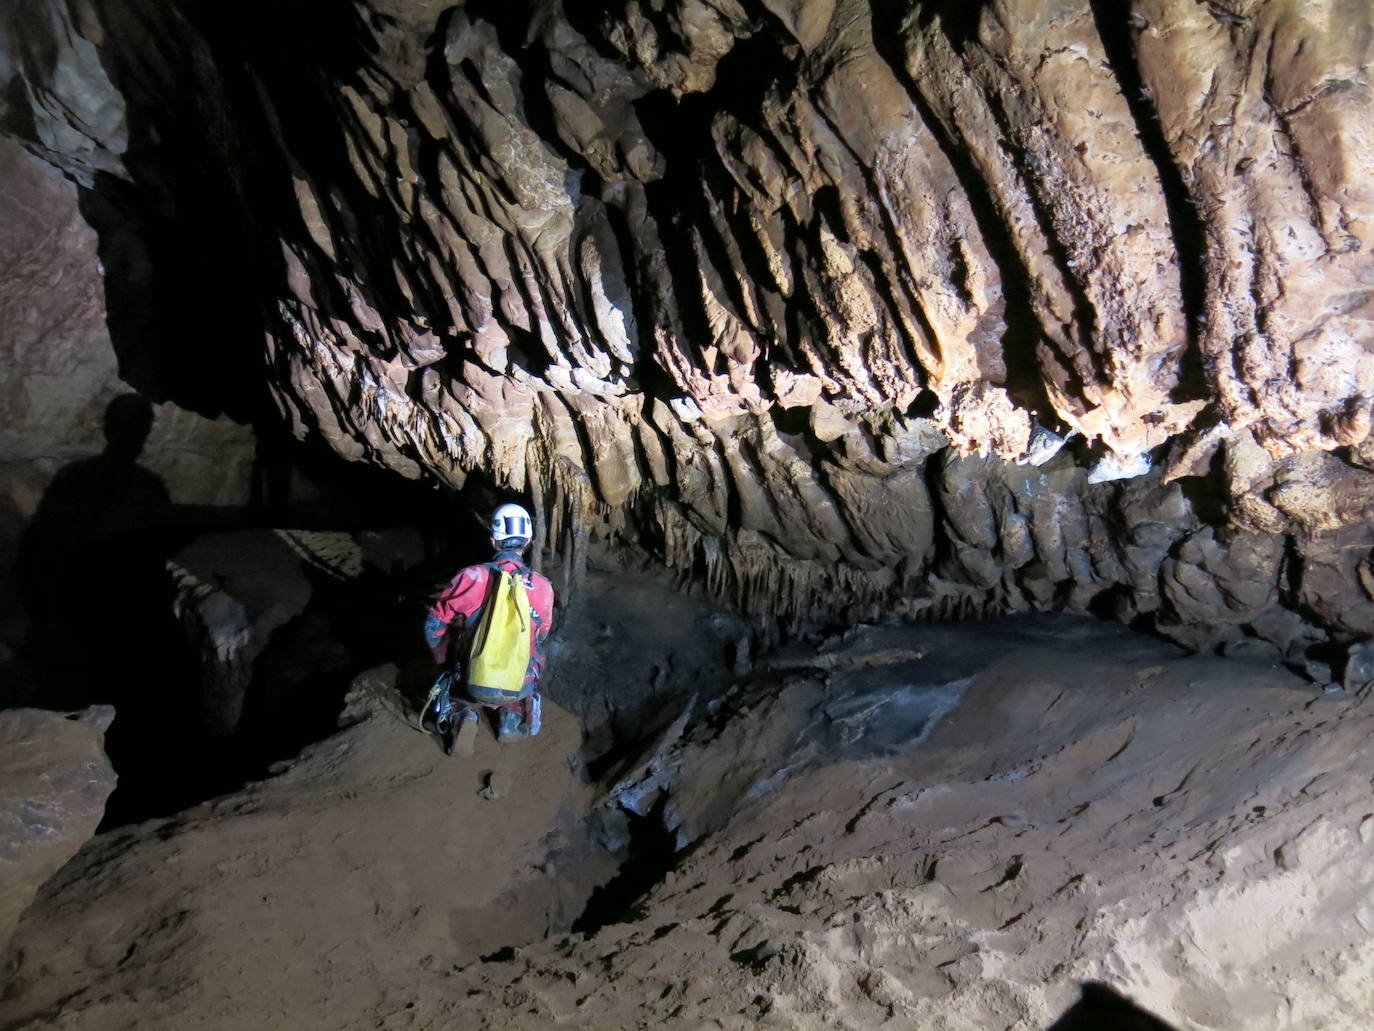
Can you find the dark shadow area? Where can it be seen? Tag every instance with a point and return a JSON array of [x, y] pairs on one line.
[[307, 485], [100, 624], [650, 854], [191, 238], [958, 18], [185, 323], [1104, 1009], [1208, 500], [92, 574]]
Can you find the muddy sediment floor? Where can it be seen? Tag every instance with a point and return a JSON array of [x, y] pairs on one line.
[[907, 826]]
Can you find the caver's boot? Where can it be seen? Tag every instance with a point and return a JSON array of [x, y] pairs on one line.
[[510, 726]]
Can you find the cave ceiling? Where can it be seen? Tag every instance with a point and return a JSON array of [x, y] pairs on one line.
[[985, 305]]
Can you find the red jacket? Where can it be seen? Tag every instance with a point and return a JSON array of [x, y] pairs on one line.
[[454, 616]]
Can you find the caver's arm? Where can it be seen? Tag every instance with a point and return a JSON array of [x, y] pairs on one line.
[[457, 607]]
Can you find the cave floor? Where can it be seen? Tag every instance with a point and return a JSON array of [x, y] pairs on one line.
[[908, 826]]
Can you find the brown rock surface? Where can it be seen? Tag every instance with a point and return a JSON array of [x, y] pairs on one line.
[[61, 375], [1193, 833], [840, 309], [317, 895], [62, 370], [944, 827], [54, 779]]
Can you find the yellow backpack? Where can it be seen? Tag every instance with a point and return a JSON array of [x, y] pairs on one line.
[[500, 654]]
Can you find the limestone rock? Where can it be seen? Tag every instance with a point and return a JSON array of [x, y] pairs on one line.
[[62, 377], [54, 779], [716, 278], [235, 591]]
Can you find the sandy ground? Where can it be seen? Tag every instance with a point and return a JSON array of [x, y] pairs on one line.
[[935, 827], [315, 898]]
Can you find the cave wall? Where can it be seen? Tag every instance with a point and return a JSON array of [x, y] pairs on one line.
[[60, 377], [837, 306], [61, 371]]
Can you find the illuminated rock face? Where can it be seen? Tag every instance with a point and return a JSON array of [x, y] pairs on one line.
[[54, 780], [801, 295]]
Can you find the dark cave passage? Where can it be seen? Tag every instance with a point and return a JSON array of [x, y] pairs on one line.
[[649, 853]]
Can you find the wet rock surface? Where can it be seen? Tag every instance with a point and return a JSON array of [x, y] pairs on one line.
[[54, 779], [753, 286]]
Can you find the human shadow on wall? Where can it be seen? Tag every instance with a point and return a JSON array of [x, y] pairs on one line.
[[93, 576], [1104, 1009]]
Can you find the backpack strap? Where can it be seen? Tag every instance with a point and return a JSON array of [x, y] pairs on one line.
[[521, 570]]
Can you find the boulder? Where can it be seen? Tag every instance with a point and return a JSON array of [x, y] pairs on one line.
[[54, 779]]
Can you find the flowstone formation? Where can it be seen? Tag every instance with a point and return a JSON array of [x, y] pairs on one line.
[[837, 306]]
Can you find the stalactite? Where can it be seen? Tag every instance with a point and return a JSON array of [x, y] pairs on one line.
[[535, 487]]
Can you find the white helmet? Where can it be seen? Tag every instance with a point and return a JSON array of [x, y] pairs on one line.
[[511, 521]]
